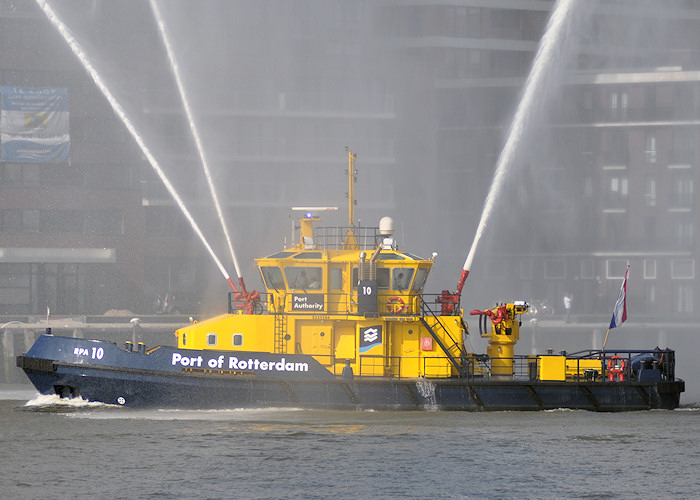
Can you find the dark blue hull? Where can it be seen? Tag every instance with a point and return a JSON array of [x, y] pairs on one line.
[[100, 371]]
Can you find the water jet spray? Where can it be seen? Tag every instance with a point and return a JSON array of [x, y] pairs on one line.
[[193, 127], [121, 113], [527, 110]]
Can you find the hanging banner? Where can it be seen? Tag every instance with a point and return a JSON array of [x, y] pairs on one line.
[[34, 125]]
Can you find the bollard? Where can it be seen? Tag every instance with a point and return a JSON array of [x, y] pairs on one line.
[[136, 330]]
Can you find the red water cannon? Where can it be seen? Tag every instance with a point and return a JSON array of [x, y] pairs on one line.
[[496, 315], [244, 300], [449, 302]]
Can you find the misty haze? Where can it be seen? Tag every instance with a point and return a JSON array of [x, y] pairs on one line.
[[424, 93]]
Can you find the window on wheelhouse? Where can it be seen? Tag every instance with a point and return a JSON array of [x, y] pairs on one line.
[[402, 278], [272, 276], [304, 277], [382, 278], [421, 277], [211, 339], [336, 278]]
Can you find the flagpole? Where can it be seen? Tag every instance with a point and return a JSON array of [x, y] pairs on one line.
[[606, 339], [620, 308]]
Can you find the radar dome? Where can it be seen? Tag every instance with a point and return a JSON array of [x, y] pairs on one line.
[[386, 226]]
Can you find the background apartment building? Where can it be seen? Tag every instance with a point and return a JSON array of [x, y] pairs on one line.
[[422, 91]]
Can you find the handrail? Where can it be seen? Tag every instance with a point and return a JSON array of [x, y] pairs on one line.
[[341, 303], [333, 237]]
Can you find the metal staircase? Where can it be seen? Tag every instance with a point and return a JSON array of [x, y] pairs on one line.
[[458, 361]]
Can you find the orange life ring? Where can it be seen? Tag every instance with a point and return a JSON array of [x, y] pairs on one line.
[[616, 369], [395, 305]]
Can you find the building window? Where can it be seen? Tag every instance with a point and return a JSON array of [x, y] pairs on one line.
[[104, 222], [211, 339], [650, 194], [683, 151], [683, 231], [555, 269], [616, 148], [11, 221], [587, 269], [237, 339], [587, 108], [11, 174], [31, 174], [682, 193], [683, 297], [497, 269], [617, 190], [682, 269], [649, 269], [651, 293], [526, 269], [650, 147], [615, 268], [15, 287], [650, 222], [31, 221], [618, 102]]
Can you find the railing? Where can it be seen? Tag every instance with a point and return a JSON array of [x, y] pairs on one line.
[[636, 361], [340, 303], [639, 365], [478, 367], [333, 238], [378, 366], [660, 361]]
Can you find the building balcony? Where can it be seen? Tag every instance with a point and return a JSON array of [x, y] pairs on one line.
[[309, 149], [640, 116], [271, 104]]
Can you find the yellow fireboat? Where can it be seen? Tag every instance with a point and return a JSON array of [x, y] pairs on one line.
[[345, 323]]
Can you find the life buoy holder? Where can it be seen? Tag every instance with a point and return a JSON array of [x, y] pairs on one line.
[[616, 369], [395, 305]]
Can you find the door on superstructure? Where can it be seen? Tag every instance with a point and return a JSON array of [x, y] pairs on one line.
[[315, 337]]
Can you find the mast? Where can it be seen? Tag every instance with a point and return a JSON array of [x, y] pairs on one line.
[[352, 177], [350, 240]]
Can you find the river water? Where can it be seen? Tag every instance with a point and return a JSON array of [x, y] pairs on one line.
[[54, 449]]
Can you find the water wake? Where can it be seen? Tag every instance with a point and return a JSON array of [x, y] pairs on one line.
[[47, 402]]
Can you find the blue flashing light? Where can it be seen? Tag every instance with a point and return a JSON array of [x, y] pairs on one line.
[[309, 215]]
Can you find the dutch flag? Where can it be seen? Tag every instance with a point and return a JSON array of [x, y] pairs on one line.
[[620, 312]]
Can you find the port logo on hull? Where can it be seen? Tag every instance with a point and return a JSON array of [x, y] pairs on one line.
[[370, 337]]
